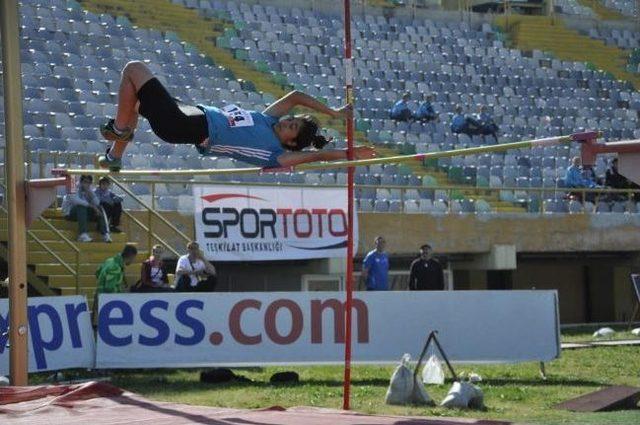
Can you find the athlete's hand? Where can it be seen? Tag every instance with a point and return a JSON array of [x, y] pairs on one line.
[[343, 111], [364, 152]]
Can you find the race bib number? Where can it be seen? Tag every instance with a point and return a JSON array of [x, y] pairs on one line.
[[237, 116]]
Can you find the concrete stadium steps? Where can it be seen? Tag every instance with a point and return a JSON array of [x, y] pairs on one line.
[[87, 255], [51, 269], [602, 11], [89, 293], [50, 235], [60, 224], [85, 281], [551, 35], [48, 274]]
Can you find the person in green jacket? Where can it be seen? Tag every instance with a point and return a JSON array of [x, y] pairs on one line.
[[111, 273]]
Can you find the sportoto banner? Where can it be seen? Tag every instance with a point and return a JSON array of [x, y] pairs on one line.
[[261, 223], [60, 334], [234, 329]]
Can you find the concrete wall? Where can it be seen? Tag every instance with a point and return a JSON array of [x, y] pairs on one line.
[[469, 233]]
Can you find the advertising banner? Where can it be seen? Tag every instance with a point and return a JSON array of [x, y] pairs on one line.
[[60, 334], [262, 223], [261, 328]]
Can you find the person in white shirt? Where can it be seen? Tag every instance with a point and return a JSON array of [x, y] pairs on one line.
[[193, 272]]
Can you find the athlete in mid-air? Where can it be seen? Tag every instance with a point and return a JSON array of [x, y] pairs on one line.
[[270, 138]]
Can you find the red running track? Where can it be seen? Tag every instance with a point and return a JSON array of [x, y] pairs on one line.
[[98, 403]]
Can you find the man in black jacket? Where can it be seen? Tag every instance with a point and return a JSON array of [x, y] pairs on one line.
[[426, 272]]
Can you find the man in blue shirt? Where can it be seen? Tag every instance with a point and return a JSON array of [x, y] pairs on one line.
[[400, 110], [574, 177], [461, 123], [375, 267], [425, 110]]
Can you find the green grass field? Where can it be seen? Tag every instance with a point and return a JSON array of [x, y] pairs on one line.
[[512, 392]]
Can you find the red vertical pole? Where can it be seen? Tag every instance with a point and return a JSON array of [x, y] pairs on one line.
[[348, 66]]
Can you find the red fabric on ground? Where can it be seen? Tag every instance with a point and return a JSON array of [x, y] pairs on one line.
[[98, 403]]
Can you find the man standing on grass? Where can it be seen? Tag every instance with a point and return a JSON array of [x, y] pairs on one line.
[[426, 272], [111, 273], [375, 267]]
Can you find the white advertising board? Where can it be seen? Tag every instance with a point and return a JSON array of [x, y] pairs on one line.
[[60, 334], [262, 223], [190, 330]]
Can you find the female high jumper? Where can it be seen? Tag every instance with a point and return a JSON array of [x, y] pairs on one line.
[[269, 138]]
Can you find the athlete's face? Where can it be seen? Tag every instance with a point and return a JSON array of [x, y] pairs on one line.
[[287, 130]]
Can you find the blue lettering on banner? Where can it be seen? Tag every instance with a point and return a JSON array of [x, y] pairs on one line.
[[105, 321], [189, 321], [59, 332], [73, 311], [162, 329], [107, 318], [38, 344]]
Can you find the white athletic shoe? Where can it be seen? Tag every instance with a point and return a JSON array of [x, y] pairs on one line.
[[84, 237], [107, 237]]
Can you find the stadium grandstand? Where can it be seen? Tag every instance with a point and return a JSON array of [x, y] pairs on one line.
[[502, 220]]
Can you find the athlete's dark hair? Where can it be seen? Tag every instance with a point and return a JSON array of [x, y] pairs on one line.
[[308, 135]]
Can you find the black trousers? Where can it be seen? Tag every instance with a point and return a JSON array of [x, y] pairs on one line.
[[113, 211], [205, 285], [170, 120], [150, 289]]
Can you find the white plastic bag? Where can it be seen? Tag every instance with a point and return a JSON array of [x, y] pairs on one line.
[[604, 333], [401, 386], [404, 388], [463, 395], [433, 372]]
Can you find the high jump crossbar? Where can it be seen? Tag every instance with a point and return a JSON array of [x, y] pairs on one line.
[[576, 137]]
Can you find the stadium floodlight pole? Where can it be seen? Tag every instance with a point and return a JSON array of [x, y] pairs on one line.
[[348, 68], [15, 201]]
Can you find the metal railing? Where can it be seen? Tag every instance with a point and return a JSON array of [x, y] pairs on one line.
[[31, 235], [501, 195], [151, 213]]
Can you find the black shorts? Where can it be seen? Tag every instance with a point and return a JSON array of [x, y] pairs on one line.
[[170, 120]]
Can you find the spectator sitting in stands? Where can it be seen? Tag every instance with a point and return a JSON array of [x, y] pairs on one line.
[[574, 176], [83, 206], [575, 179], [400, 110], [193, 272], [111, 273], [487, 124], [153, 275], [425, 111], [615, 180], [461, 123], [110, 203]]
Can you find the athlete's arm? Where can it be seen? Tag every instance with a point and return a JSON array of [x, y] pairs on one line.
[[289, 159], [295, 98]]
